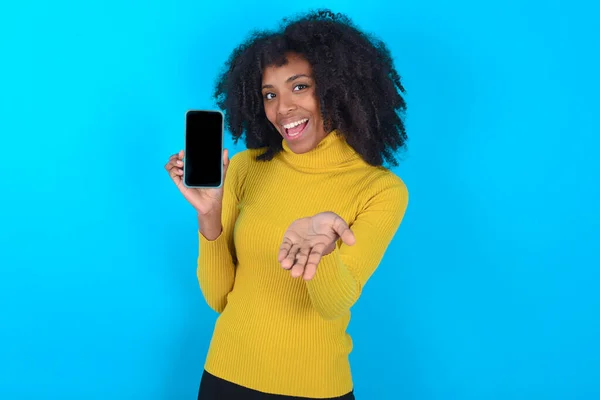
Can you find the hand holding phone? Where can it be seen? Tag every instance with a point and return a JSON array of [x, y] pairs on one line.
[[199, 170], [205, 201]]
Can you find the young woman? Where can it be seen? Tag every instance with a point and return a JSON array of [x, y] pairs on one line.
[[306, 212]]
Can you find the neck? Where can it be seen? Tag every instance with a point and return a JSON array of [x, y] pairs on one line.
[[332, 151]]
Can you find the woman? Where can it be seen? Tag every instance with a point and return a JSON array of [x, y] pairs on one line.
[[305, 213]]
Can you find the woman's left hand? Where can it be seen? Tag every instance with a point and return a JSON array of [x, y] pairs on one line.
[[308, 239]]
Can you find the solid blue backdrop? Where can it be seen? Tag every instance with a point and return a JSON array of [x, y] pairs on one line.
[[488, 291]]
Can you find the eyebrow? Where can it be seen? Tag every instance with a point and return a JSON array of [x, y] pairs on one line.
[[290, 79]]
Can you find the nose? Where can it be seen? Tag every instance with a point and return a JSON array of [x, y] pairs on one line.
[[286, 103]]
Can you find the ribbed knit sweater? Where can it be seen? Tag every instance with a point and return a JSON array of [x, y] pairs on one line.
[[275, 333]]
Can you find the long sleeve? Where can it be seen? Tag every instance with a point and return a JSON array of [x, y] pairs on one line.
[[217, 258], [342, 274]]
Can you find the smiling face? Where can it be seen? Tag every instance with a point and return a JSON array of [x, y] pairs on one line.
[[291, 103]]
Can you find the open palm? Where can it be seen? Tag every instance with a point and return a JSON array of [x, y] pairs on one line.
[[308, 239]]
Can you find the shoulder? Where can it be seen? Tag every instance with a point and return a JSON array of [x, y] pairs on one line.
[[242, 160], [239, 165], [245, 162], [383, 181], [246, 157], [383, 189]]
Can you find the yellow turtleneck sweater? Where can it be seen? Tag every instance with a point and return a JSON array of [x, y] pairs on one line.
[[275, 333]]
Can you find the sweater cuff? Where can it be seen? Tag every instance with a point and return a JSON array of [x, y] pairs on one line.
[[213, 252]]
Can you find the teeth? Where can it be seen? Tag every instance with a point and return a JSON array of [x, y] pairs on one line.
[[293, 124]]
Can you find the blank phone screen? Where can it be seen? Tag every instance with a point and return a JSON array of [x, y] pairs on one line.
[[203, 149]]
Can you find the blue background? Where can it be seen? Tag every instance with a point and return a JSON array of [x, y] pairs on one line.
[[488, 291]]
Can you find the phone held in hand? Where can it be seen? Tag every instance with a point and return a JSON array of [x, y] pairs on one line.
[[203, 158]]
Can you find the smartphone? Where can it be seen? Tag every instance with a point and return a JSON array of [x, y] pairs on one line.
[[203, 158]]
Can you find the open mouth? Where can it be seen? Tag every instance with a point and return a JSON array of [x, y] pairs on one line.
[[295, 129]]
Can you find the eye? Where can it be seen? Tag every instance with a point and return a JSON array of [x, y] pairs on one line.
[[300, 86], [266, 96]]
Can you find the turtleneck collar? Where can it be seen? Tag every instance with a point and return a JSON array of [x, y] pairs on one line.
[[332, 151]]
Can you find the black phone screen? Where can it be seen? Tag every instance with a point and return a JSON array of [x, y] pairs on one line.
[[203, 158]]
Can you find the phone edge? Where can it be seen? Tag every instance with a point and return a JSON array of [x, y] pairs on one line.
[[221, 180]]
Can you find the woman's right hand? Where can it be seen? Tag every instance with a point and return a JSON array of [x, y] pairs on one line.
[[205, 201]]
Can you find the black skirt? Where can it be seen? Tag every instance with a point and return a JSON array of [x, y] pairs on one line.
[[214, 388]]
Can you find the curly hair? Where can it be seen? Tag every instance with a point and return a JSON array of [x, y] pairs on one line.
[[356, 83]]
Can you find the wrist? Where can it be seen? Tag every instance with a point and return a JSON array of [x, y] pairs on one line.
[[210, 225], [210, 214]]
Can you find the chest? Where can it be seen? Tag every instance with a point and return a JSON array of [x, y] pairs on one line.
[[270, 205]]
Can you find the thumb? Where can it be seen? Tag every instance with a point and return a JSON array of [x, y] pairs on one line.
[[225, 162], [343, 231]]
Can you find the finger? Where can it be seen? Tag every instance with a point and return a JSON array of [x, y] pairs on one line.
[[169, 163], [173, 161], [176, 174], [175, 169], [297, 270], [175, 164], [284, 249], [291, 257], [316, 253], [301, 258], [225, 162], [176, 177], [343, 230], [225, 157], [176, 156]]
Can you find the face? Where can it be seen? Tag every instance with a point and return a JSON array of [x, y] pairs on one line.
[[291, 104]]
